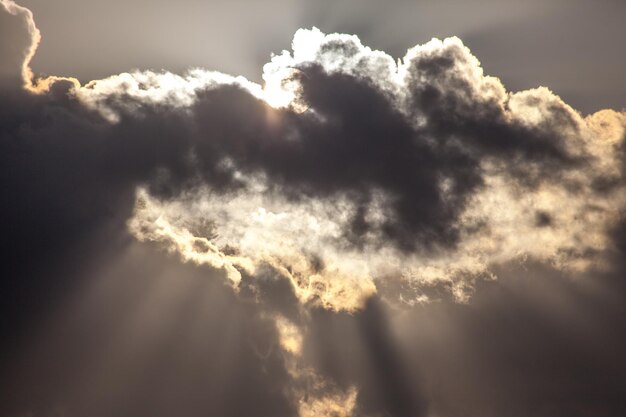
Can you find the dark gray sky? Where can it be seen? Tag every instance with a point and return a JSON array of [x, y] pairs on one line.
[[573, 46]]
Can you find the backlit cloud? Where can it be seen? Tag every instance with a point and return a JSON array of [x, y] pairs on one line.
[[348, 177], [430, 170]]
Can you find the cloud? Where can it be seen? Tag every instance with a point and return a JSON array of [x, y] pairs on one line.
[[364, 168], [344, 168], [346, 179], [20, 38]]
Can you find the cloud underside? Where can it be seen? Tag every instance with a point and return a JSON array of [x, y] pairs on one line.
[[346, 177]]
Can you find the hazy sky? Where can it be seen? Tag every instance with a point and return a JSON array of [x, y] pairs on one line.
[[572, 46], [190, 227]]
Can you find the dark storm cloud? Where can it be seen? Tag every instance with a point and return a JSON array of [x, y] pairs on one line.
[[433, 136]]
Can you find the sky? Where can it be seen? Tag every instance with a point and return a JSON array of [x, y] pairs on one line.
[[524, 43], [302, 209]]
